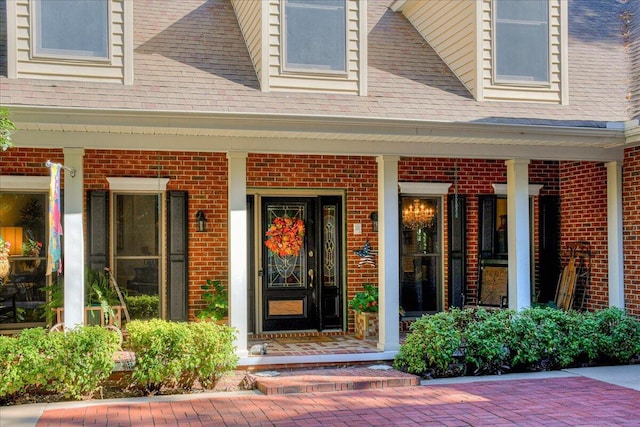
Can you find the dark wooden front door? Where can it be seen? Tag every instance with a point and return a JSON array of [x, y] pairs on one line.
[[302, 284]]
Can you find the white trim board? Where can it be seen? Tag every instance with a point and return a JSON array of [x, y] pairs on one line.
[[424, 187], [17, 182], [501, 189], [138, 184]]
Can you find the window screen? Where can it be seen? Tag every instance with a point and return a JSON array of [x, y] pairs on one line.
[[522, 40], [315, 34], [72, 28]]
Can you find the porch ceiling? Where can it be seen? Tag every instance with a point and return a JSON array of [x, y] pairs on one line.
[[273, 133]]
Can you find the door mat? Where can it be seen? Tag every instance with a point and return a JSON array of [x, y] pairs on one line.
[[301, 340]]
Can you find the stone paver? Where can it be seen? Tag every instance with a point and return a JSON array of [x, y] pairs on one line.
[[573, 401]]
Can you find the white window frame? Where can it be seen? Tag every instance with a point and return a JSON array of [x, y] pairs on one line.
[[64, 54], [511, 80], [312, 68]]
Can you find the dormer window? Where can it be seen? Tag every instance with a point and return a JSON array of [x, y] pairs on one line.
[[71, 29], [521, 43], [315, 36]]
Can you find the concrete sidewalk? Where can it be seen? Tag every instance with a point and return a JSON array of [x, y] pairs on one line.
[[594, 396]]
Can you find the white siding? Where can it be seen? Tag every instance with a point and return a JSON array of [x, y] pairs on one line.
[[449, 27], [312, 82], [512, 92], [249, 15], [111, 71]]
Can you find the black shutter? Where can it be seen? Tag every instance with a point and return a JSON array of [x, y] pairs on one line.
[[549, 247], [487, 226], [457, 207], [98, 230], [177, 226]]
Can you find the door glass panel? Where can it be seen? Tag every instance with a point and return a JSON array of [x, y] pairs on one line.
[[420, 255], [23, 257], [137, 249], [286, 249], [329, 243]]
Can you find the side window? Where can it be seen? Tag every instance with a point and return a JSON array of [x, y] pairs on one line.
[[315, 35], [23, 257], [138, 251], [71, 28], [521, 45]]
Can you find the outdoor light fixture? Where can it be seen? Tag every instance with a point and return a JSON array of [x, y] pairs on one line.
[[201, 221], [374, 220]]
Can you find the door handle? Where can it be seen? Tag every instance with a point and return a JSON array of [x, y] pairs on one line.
[[311, 277]]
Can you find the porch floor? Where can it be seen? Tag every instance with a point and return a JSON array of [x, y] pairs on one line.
[[294, 351]]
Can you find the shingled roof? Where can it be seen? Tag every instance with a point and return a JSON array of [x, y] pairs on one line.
[[189, 55]]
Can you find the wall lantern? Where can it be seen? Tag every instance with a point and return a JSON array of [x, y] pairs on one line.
[[374, 220], [201, 221]]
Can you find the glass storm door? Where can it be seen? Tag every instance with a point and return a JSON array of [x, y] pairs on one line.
[[137, 246], [301, 279], [420, 290]]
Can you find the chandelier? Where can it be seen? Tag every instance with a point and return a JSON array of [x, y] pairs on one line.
[[417, 215]]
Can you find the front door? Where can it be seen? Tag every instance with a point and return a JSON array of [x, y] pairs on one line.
[[301, 263]]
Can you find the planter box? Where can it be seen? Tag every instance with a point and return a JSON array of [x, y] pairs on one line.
[[366, 325]]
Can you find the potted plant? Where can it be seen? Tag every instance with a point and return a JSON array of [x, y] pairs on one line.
[[216, 299], [365, 306], [5, 247]]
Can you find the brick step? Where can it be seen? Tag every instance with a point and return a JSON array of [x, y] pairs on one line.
[[327, 380]]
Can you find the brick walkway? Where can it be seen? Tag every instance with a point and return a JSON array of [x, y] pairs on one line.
[[554, 402]]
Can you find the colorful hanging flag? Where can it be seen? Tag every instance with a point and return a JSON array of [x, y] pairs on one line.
[[54, 258]]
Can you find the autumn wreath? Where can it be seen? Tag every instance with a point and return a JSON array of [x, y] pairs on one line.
[[284, 236]]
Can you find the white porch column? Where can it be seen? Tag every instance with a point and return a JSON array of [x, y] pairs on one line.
[[73, 263], [388, 253], [238, 248], [518, 233], [614, 234]]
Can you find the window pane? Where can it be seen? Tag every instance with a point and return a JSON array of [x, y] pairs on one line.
[[286, 271], [72, 27], [329, 246], [420, 255], [137, 231], [22, 225], [522, 40], [523, 10], [137, 265], [315, 34]]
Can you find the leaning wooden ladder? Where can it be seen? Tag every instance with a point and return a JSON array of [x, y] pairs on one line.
[[575, 277], [116, 288]]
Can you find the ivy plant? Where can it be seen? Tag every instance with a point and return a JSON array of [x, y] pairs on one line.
[[6, 129]]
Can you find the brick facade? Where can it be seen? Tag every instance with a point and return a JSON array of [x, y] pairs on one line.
[[583, 204], [581, 186], [631, 229]]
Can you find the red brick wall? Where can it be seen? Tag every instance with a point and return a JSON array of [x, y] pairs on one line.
[[475, 177], [28, 161], [631, 229], [583, 203], [203, 176]]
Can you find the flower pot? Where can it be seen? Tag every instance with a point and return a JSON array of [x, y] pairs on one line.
[[366, 325]]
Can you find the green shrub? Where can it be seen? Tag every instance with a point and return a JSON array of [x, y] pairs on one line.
[[617, 336], [216, 299], [213, 354], [547, 338], [486, 342], [430, 346], [143, 307], [73, 364], [172, 354], [83, 359]]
